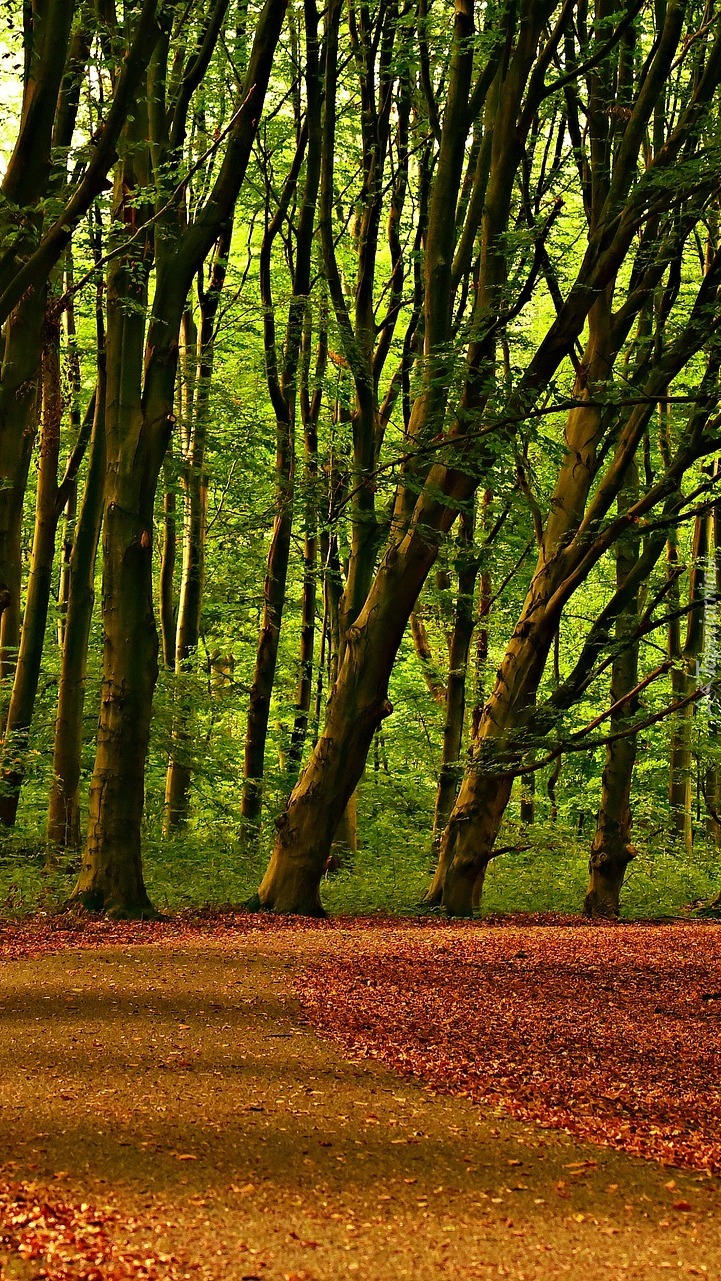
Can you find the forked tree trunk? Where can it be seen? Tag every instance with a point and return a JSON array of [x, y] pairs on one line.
[[612, 850]]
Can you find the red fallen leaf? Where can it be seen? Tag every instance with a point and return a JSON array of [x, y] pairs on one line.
[[682, 1205]]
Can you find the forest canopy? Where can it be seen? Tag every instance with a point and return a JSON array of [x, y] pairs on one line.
[[360, 441]]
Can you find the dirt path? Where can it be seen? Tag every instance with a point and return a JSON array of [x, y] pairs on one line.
[[180, 1086]]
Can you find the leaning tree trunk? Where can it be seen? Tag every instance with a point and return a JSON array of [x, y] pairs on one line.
[[357, 706], [467, 845], [612, 850]]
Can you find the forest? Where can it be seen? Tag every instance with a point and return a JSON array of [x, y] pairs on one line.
[[360, 440]]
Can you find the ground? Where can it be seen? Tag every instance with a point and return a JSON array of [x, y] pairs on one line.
[[192, 1107]]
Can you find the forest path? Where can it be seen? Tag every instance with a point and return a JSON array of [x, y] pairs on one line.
[[179, 1084]]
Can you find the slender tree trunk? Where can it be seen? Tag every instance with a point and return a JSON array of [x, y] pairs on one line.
[[267, 654], [422, 645], [283, 391], [684, 680], [19, 412], [141, 376], [166, 586], [468, 840], [612, 850], [357, 706], [713, 773], [194, 480], [64, 804], [27, 670], [310, 410], [70, 512], [459, 650]]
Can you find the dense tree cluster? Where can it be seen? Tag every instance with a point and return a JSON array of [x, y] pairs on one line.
[[455, 267]]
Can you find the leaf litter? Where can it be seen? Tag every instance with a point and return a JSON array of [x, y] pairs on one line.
[[611, 1033]]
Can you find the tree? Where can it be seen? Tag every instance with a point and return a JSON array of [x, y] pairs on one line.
[[141, 370]]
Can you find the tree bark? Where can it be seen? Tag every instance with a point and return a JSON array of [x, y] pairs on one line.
[[612, 850], [194, 479], [64, 804], [166, 584], [283, 391], [141, 375], [27, 670], [459, 650], [19, 411], [684, 678]]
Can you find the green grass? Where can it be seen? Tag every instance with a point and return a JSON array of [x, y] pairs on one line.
[[549, 875]]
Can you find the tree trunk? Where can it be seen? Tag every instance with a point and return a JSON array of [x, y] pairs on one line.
[[166, 587], [111, 879], [356, 708], [713, 640], [141, 377], [459, 650], [19, 412], [684, 679], [467, 844], [612, 850], [64, 804], [194, 480], [283, 391], [267, 654], [310, 409], [27, 671]]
